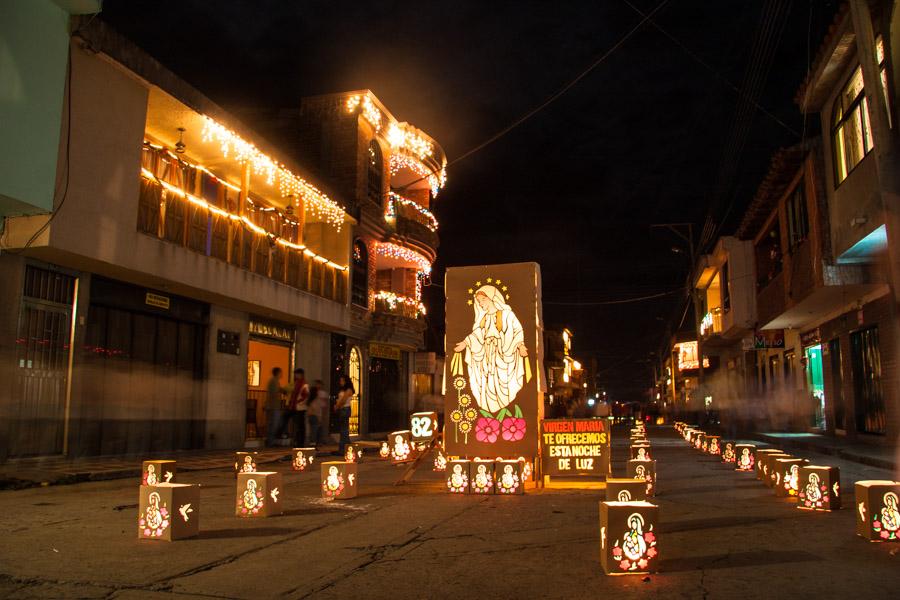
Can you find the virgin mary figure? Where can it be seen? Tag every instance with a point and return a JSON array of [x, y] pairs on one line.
[[495, 351]]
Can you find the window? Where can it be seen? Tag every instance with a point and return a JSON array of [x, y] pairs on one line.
[[882, 70], [865, 359], [797, 217], [375, 173], [355, 373], [768, 255], [851, 133], [360, 285]]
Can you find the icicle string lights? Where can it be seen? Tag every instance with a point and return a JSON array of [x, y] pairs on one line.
[[393, 300], [403, 253], [316, 202], [395, 199]]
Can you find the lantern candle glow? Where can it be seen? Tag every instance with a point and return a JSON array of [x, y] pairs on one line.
[[339, 480], [878, 510], [258, 494], [745, 458], [302, 458], [168, 511], [645, 470], [625, 489], [820, 488], [628, 543], [154, 472]]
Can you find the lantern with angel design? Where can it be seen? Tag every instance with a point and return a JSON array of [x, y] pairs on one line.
[[339, 480], [508, 479], [761, 453], [258, 494], [746, 458], [625, 489], [645, 470], [168, 511], [481, 476], [440, 460], [527, 468], [458, 476], [820, 488], [244, 462], [384, 451], [302, 458], [713, 446], [765, 465], [787, 476], [154, 472], [352, 453], [401, 448], [878, 510], [628, 543]]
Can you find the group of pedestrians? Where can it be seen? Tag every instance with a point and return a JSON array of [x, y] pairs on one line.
[[306, 408]]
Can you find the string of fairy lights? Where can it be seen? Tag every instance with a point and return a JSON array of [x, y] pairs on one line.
[[395, 199]]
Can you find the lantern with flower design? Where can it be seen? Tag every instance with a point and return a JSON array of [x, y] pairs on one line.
[[765, 464], [820, 488], [745, 460], [628, 543], [713, 445], [458, 476], [878, 510], [625, 489], [787, 476], [728, 455], [168, 511], [640, 451], [401, 448], [644, 470], [481, 476], [762, 463], [508, 477], [339, 480], [302, 458], [258, 494], [244, 462]]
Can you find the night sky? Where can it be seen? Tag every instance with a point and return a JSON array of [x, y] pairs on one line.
[[656, 133]]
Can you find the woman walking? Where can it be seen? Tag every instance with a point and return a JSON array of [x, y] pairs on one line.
[[342, 411]]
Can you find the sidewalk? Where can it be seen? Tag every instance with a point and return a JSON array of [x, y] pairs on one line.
[[882, 457]]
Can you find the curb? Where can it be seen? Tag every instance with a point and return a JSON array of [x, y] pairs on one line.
[[870, 461]]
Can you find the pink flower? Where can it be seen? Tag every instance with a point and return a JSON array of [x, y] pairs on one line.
[[625, 565], [486, 430], [876, 525], [651, 552], [164, 512], [642, 563], [147, 532], [617, 552], [141, 522], [885, 534], [513, 429], [650, 537]]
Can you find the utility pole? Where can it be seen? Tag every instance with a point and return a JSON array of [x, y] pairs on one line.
[[678, 230]]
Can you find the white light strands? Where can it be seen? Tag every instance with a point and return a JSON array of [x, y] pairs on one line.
[[404, 253], [319, 204]]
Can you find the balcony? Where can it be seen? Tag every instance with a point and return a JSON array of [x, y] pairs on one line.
[[261, 241], [770, 301], [711, 324], [413, 224]]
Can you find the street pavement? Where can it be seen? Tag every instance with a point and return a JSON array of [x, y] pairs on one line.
[[722, 535]]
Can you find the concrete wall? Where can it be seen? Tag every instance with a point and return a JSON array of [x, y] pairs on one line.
[[34, 41], [226, 382]]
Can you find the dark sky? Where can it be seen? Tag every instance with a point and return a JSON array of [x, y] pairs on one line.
[[653, 134]]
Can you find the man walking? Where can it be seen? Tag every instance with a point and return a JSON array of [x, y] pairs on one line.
[[274, 407], [298, 405]]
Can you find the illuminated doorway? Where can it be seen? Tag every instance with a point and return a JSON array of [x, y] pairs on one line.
[[262, 356], [355, 372], [815, 384]]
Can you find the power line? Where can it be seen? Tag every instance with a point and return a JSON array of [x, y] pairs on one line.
[[608, 302]]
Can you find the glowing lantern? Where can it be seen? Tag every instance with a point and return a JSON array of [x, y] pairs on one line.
[[625, 489], [168, 511], [423, 426], [527, 468], [458, 476], [728, 455], [644, 470], [640, 451], [628, 543], [508, 476], [660, 420], [820, 488], [481, 476], [698, 440], [244, 462], [787, 476], [301, 458], [703, 446], [761, 462], [745, 460], [401, 449], [154, 472], [713, 445], [765, 465], [440, 460], [339, 480], [352, 453], [258, 494], [385, 450], [878, 510]]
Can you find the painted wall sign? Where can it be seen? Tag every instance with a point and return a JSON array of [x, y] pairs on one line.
[[575, 447], [384, 351], [494, 367], [157, 300], [273, 330], [769, 338]]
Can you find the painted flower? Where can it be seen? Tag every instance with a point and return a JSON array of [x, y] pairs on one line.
[[617, 552], [456, 416], [471, 414], [651, 552], [885, 534], [876, 525], [642, 563], [513, 429], [625, 565], [459, 383], [650, 537], [486, 430], [465, 427], [465, 400]]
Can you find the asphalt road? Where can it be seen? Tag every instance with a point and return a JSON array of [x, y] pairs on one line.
[[722, 535]]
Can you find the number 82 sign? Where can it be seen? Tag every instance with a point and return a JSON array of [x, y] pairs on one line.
[[423, 426]]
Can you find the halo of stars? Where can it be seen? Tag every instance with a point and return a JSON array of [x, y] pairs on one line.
[[497, 283]]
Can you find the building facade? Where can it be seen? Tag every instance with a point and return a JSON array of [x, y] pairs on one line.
[[184, 257]]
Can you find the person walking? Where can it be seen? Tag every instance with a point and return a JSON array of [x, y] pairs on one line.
[[315, 413], [274, 407], [297, 405], [342, 411]]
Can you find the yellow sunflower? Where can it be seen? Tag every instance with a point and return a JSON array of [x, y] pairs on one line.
[[464, 400], [456, 416], [471, 414], [465, 427], [459, 383]]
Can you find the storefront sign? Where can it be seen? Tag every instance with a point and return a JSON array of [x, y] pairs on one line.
[[276, 331], [810, 338], [156, 300], [770, 338], [384, 351], [494, 355], [575, 447]]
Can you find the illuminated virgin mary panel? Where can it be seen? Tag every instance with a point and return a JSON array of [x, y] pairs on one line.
[[494, 348]]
